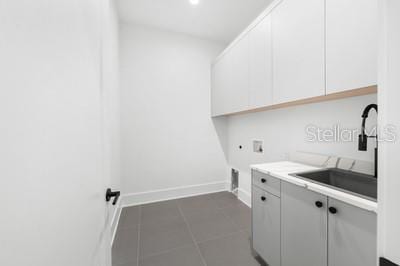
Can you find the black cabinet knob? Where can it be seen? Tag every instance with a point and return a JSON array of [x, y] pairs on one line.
[[263, 198], [332, 210], [263, 180], [110, 194], [319, 204]]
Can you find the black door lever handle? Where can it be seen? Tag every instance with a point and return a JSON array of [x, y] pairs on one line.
[[110, 194]]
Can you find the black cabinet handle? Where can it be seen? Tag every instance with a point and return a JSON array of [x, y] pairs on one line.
[[263, 180], [332, 210], [319, 204], [110, 194], [263, 198]]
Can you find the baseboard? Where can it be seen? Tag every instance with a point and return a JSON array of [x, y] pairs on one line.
[[172, 193], [244, 196], [115, 221]]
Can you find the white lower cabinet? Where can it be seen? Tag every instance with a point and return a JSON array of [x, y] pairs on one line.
[[266, 226], [352, 235], [304, 228]]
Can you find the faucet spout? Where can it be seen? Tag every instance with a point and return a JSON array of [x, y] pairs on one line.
[[363, 137]]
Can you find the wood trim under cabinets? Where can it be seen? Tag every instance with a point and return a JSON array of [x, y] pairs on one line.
[[324, 98]]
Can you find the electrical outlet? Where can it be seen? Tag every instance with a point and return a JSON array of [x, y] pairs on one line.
[[258, 146]]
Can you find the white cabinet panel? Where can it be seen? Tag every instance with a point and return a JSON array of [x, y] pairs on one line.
[[266, 226], [260, 65], [238, 90], [304, 227], [216, 89], [352, 236], [352, 44], [298, 50], [221, 84]]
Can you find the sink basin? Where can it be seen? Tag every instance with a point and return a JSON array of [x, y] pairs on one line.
[[361, 185]]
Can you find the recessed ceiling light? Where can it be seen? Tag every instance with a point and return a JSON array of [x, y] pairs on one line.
[[194, 2]]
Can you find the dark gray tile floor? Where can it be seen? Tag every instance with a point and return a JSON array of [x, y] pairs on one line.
[[207, 230]]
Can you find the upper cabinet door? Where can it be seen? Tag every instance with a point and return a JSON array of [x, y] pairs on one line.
[[221, 80], [238, 96], [351, 44], [298, 36], [216, 88], [260, 65]]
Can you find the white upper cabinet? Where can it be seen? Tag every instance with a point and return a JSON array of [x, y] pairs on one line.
[[230, 80], [238, 91], [219, 89], [351, 47], [298, 50], [260, 64], [242, 78], [298, 36]]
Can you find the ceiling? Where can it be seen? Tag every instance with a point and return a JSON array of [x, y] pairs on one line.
[[219, 20]]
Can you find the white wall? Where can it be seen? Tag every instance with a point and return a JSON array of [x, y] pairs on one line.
[[52, 141], [389, 95], [168, 137], [284, 132]]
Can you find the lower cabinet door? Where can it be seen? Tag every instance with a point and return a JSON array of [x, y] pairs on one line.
[[352, 235], [304, 226], [266, 226]]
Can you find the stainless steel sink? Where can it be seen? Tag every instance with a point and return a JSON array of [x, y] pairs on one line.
[[361, 185]]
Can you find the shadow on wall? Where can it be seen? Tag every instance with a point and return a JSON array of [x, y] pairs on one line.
[[221, 128], [332, 161]]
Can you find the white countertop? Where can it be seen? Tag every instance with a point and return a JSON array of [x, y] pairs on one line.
[[282, 170]]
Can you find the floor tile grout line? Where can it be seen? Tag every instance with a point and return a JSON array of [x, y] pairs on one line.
[[138, 240], [222, 237], [220, 209], [229, 218], [191, 245], [165, 252], [185, 220], [172, 249], [237, 224], [192, 236]]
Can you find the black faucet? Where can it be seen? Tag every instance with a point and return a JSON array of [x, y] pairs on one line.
[[363, 137]]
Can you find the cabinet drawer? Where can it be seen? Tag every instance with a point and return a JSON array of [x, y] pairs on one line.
[[267, 182]]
